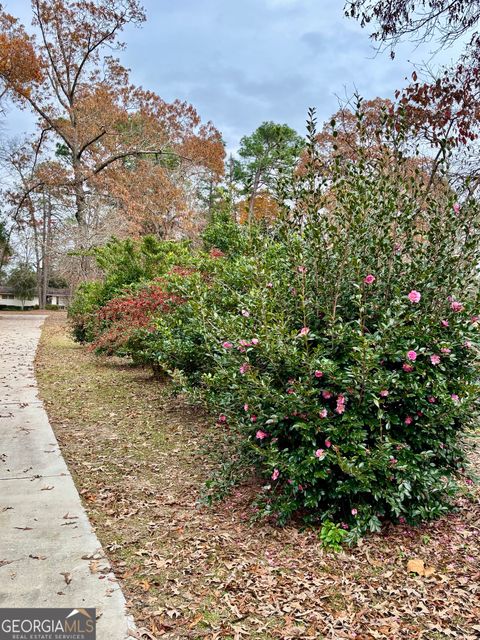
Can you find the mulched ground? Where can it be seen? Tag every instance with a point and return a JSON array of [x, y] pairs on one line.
[[138, 458]]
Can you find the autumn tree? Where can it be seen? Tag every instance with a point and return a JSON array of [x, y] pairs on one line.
[[84, 99], [271, 149], [442, 20], [19, 64], [444, 107], [35, 212]]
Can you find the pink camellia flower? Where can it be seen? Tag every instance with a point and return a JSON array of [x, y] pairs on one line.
[[318, 373], [474, 319], [414, 296], [301, 269], [467, 344], [244, 343], [328, 444], [254, 340], [445, 350], [370, 279], [245, 407], [419, 414], [290, 390], [432, 399], [444, 323], [340, 408], [456, 306], [456, 207], [402, 520], [455, 397], [412, 355], [275, 474], [319, 453], [304, 331], [326, 395], [269, 285], [253, 418], [354, 512], [435, 359], [245, 313], [227, 345], [407, 367], [384, 393], [408, 420], [261, 435], [244, 368], [322, 413], [393, 460], [222, 418]]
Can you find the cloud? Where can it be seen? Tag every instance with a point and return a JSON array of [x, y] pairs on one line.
[[243, 63]]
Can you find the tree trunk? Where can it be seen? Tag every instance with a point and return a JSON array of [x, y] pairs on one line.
[[253, 195], [80, 196], [81, 217]]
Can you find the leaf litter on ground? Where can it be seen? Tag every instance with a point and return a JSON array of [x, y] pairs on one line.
[[209, 572]]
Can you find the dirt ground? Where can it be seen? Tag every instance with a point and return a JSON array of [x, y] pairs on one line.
[[138, 457]]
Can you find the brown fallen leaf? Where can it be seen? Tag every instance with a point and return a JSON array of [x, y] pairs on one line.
[[416, 566], [34, 557], [67, 576], [4, 562], [94, 566], [48, 487], [23, 528]]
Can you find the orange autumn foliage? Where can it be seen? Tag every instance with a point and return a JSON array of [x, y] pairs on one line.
[[121, 145], [265, 209]]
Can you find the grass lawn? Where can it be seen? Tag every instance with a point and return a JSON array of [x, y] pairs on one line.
[[138, 457]]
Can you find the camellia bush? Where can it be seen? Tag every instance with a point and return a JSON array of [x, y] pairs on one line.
[[348, 363], [338, 349]]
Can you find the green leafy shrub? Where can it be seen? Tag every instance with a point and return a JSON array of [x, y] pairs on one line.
[[339, 349], [124, 263], [344, 352], [81, 312]]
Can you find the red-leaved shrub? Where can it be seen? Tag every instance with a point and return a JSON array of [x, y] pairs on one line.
[[118, 322]]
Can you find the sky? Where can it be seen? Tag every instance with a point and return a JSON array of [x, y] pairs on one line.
[[242, 63]]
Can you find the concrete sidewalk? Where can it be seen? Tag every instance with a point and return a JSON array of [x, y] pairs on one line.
[[49, 554]]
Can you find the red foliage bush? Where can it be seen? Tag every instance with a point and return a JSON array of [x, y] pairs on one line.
[[119, 320]]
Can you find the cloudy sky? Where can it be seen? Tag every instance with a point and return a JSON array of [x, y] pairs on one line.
[[241, 63]]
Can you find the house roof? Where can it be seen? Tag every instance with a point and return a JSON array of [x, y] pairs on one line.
[[50, 292]]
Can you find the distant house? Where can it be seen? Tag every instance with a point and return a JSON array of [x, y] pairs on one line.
[[57, 297]]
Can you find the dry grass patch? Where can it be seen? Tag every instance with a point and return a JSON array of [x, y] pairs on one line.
[[138, 458]]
